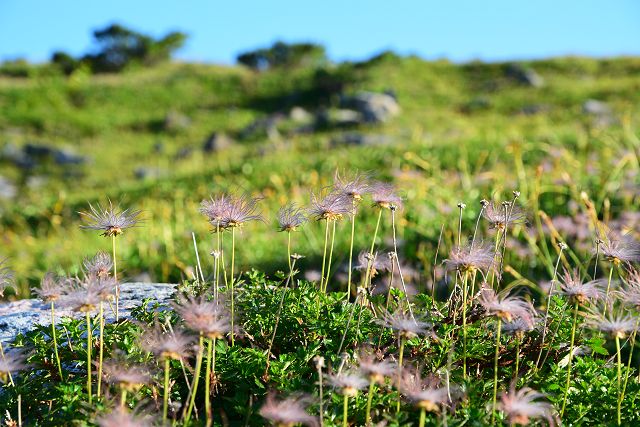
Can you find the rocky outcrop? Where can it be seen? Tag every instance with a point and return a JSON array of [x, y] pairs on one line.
[[20, 316]]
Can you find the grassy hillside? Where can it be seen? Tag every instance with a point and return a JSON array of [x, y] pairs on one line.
[[465, 132]]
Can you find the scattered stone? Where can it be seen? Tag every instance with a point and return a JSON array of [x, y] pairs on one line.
[[524, 75], [533, 109], [7, 189], [21, 316], [66, 157], [184, 153], [144, 172], [600, 113], [300, 115], [374, 107], [477, 104], [265, 126], [216, 142], [175, 121], [358, 138]]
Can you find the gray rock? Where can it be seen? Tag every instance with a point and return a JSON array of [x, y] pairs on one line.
[[7, 189], [216, 142], [175, 121], [300, 115], [265, 126], [600, 113], [143, 173], [357, 138], [524, 75], [374, 107], [20, 316], [66, 157]]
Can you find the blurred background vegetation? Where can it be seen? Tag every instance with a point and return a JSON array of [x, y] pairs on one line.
[[124, 123]]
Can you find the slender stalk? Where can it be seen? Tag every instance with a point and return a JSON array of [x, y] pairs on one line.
[[475, 230], [573, 336], [216, 263], [345, 410], [8, 373], [115, 276], [460, 208], [324, 253], [207, 384], [435, 262], [196, 378], [517, 357], [632, 343], [395, 257], [123, 398], [289, 251], [546, 311], [464, 325], [165, 400], [372, 384], [606, 296], [400, 356], [619, 377], [320, 394], [495, 255], [373, 245], [495, 372], [89, 357], [233, 259], [423, 417], [55, 340], [101, 319], [353, 230], [333, 238]]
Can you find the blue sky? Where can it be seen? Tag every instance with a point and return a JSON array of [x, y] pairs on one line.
[[351, 29]]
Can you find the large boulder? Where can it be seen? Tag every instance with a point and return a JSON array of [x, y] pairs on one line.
[[21, 316], [524, 75], [374, 107], [216, 142]]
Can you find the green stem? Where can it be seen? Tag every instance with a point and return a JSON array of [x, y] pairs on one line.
[[373, 244], [606, 296], [517, 357], [353, 230], [289, 252], [233, 259], [495, 255], [207, 384], [619, 377], [55, 339], [89, 358], [333, 239], [423, 417], [632, 343], [101, 319], [546, 311], [464, 325], [216, 262], [568, 381], [369, 400], [123, 398], [345, 410], [196, 378], [400, 356], [8, 373], [165, 404], [495, 372], [324, 254], [115, 276]]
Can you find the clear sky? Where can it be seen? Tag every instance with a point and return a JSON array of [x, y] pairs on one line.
[[351, 29]]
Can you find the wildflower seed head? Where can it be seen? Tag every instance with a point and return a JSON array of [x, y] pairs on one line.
[[355, 188], [501, 217], [173, 344], [349, 383], [110, 220], [614, 325], [424, 394], [484, 203], [129, 378], [563, 246], [120, 417], [332, 207], [296, 256], [82, 299], [384, 196], [13, 361], [290, 218], [373, 262], [241, 209], [523, 406], [461, 205], [375, 370], [405, 325], [471, 258], [206, 317], [506, 308], [630, 295], [99, 266], [51, 288], [319, 361], [580, 292], [215, 208], [517, 327], [287, 412], [516, 194], [105, 287], [6, 276], [620, 248]]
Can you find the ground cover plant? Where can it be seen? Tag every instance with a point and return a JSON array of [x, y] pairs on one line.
[[481, 270]]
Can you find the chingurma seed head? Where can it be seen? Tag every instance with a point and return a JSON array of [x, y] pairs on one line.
[[290, 218], [523, 406], [355, 189], [241, 209], [99, 266], [620, 248], [6, 276], [384, 196], [52, 288], [504, 215], [506, 308], [287, 412], [332, 207], [427, 394], [170, 344], [110, 220]]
